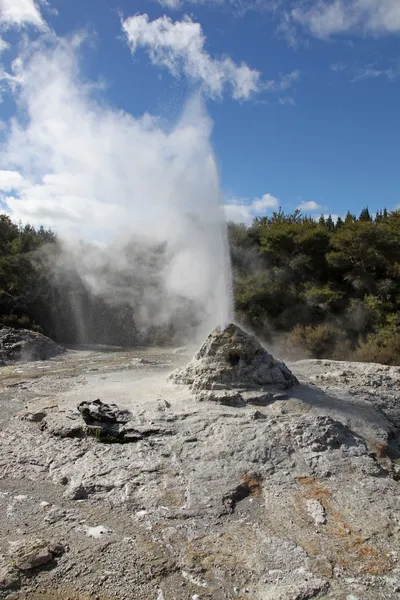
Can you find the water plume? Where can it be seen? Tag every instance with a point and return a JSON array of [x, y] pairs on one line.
[[146, 193]]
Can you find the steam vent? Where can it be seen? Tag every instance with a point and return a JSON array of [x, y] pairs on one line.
[[232, 367]]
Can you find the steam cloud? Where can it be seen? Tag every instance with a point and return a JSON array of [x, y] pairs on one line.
[[127, 184]]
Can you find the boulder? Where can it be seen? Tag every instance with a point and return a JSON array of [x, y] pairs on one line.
[[24, 345], [9, 578], [27, 554], [100, 413]]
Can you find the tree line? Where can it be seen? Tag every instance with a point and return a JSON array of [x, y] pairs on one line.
[[323, 288]]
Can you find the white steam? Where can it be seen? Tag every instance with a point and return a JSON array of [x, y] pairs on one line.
[[90, 171]]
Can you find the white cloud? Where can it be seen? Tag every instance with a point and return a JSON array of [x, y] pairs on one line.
[[180, 47], [326, 18], [287, 101], [320, 18], [10, 180], [266, 202], [3, 45], [309, 206], [373, 70], [241, 211], [284, 83], [240, 5], [172, 4], [19, 13]]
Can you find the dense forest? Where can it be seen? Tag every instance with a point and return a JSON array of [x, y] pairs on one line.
[[319, 288], [325, 289]]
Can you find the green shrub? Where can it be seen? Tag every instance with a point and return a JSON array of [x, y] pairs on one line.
[[17, 322], [320, 341], [381, 347]]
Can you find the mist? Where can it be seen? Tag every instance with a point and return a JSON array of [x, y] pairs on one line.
[[144, 193]]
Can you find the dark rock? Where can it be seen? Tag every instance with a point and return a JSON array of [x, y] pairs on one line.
[[105, 422], [257, 415], [34, 416], [99, 413], [24, 345]]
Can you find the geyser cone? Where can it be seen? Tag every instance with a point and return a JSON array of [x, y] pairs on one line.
[[231, 358]]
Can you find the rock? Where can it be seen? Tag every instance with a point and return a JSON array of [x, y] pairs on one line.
[[259, 502], [33, 416], [28, 554], [225, 397], [256, 415], [63, 424], [230, 358], [100, 413], [322, 433], [316, 511], [9, 578], [24, 345], [106, 423], [303, 591], [163, 404], [76, 491]]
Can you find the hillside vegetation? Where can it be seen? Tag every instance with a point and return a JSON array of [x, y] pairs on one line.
[[327, 289], [323, 289]]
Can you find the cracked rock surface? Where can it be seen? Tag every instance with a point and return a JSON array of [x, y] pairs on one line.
[[292, 499]]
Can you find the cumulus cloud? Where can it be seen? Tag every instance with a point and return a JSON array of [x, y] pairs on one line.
[[19, 13], [180, 47], [95, 172], [244, 212], [10, 180], [326, 18], [309, 206]]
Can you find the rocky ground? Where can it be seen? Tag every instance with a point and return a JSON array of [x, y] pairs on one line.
[[291, 496]]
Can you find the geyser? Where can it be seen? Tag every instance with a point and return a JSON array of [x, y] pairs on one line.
[[230, 365], [144, 192]]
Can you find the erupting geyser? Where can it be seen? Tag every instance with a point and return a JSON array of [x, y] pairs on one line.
[[144, 191]]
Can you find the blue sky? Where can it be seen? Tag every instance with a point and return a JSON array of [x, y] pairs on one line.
[[303, 95]]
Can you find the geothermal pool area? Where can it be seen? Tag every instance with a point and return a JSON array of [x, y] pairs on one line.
[[214, 472]]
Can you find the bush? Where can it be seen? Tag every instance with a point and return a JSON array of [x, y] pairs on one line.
[[17, 322], [321, 341], [382, 347]]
